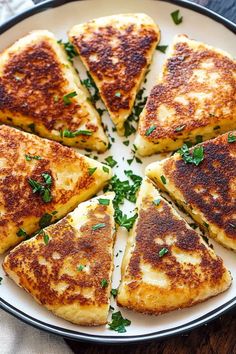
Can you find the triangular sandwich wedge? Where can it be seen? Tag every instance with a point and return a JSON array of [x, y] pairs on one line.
[[117, 50], [167, 265], [193, 100], [40, 92], [41, 181], [207, 190], [68, 266]]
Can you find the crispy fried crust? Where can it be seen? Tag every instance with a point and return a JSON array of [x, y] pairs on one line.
[[206, 191], [35, 75], [117, 51], [195, 96], [50, 271], [71, 182], [189, 273]]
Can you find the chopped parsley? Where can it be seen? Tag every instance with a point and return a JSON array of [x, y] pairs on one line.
[[130, 123], [70, 50], [126, 142], [162, 252], [163, 179], [118, 323], [45, 220], [105, 169], [114, 292], [117, 94], [31, 157], [72, 134], [32, 127], [206, 224], [231, 138], [104, 201], [43, 189], [91, 86], [67, 98], [98, 226], [123, 220], [197, 156], [104, 283], [80, 267], [110, 161], [45, 238], [150, 130], [162, 48], [180, 128], [157, 201], [21, 233], [91, 170], [1, 280], [199, 139], [176, 17]]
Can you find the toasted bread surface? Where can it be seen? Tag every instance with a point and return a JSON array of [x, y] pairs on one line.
[[41, 92], [68, 266], [117, 50], [28, 166], [207, 191], [194, 99], [167, 265]]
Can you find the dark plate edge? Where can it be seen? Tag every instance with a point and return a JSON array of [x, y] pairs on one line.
[[116, 339]]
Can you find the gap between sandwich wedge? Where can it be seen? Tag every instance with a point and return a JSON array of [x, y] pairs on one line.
[[67, 267], [41, 92], [117, 50], [41, 181], [167, 265]]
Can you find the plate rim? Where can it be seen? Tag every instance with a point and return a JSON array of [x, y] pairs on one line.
[[102, 339]]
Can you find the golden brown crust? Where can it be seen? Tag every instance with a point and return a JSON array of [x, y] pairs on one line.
[[198, 90], [35, 79], [17, 200], [209, 187], [167, 265], [91, 248], [117, 51]]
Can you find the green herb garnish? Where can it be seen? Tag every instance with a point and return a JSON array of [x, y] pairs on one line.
[[104, 283], [80, 267], [105, 169], [176, 17], [126, 142], [43, 189], [67, 98], [163, 179], [117, 94], [91, 86], [98, 226], [206, 224], [162, 48], [162, 252], [114, 292], [91, 170], [45, 238], [118, 323], [231, 138], [199, 139], [70, 50], [110, 161], [21, 233], [150, 130], [45, 220], [72, 134], [123, 220], [31, 157], [104, 201], [196, 157]]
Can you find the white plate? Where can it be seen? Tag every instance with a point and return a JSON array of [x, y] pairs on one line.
[[59, 16]]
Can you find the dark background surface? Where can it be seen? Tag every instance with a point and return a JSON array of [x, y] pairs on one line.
[[218, 337]]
